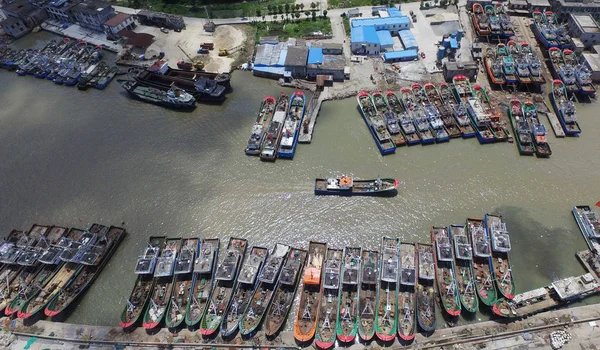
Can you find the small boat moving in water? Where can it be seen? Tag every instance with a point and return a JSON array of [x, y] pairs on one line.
[[345, 185]]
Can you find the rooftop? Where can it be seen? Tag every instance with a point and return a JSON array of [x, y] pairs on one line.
[[330, 46], [586, 23], [564, 3], [577, 42], [92, 6], [385, 38], [539, 3], [330, 63], [296, 56], [460, 65], [315, 56], [18, 7], [62, 4], [404, 54], [118, 19], [9, 21], [408, 39], [271, 55], [364, 34], [142, 40], [362, 22], [593, 60], [394, 12]]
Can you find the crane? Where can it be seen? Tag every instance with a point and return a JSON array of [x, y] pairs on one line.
[[199, 65]]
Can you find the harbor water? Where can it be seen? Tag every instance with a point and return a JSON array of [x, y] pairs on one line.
[[73, 158]]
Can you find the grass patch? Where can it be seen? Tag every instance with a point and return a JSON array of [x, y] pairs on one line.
[[194, 8], [347, 25], [296, 29], [333, 4]]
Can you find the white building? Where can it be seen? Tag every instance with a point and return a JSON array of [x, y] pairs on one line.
[[584, 27], [364, 41]]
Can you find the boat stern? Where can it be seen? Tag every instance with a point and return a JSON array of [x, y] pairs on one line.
[[406, 337], [150, 325], [345, 338], [324, 344], [385, 337], [51, 313]]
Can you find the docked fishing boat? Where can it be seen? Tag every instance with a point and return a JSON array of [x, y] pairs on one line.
[[9, 250], [508, 63], [565, 108], [182, 283], [538, 130], [493, 66], [444, 270], [558, 293], [425, 288], [144, 283], [326, 331], [285, 291], [500, 241], [415, 110], [459, 111], [446, 113], [496, 123], [107, 78], [584, 80], [308, 307], [481, 121], [162, 67], [437, 125], [402, 119], [163, 284], [566, 71], [347, 318], [32, 248], [86, 77], [521, 128], [74, 249], [9, 274], [345, 185], [244, 289], [463, 268], [543, 30], [522, 65], [375, 123], [291, 126], [202, 282], [271, 140], [386, 318], [172, 97], [367, 302], [94, 259], [265, 113], [225, 277], [495, 27], [481, 20], [589, 225], [406, 293], [386, 113], [268, 281], [482, 268], [505, 23], [534, 64]]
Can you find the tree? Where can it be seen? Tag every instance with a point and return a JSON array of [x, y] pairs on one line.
[[314, 16], [297, 15], [302, 6], [313, 5], [324, 13], [307, 13], [269, 8], [263, 17], [297, 7], [287, 7], [443, 3], [258, 12], [427, 4], [436, 1], [280, 9]]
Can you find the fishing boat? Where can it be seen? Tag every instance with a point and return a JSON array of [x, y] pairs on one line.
[[368, 294], [386, 114], [94, 259], [107, 78], [534, 64], [345, 185], [163, 284], [203, 88], [444, 111], [425, 288], [538, 130], [172, 97], [144, 283], [544, 31], [500, 242], [521, 128], [202, 282], [182, 283], [462, 88], [310, 296], [271, 140], [9, 251], [584, 80], [285, 291], [386, 318], [481, 120], [444, 270], [406, 294], [375, 123], [459, 111], [245, 287], [463, 268], [521, 64], [9, 274], [496, 123], [565, 108], [225, 277], [291, 126], [588, 222], [325, 333], [415, 111], [566, 71], [495, 27], [508, 63], [558, 293], [265, 113], [494, 67], [162, 67], [32, 246], [15, 284], [481, 20], [403, 119], [86, 77], [505, 23], [482, 268], [347, 318], [268, 282]]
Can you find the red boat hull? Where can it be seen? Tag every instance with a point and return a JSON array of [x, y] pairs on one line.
[[324, 344], [207, 331], [126, 324], [496, 310], [385, 337], [8, 311], [150, 325], [345, 338], [407, 337], [51, 313], [23, 315]]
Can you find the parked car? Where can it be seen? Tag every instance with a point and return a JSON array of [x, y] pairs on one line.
[[178, 30], [244, 18], [164, 30]]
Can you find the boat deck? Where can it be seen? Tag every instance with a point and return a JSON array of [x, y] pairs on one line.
[[311, 114]]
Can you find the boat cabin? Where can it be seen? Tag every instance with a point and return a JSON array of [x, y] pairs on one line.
[[166, 263], [274, 262], [481, 117], [206, 257], [590, 218], [351, 270], [74, 249], [332, 270], [289, 273], [340, 183], [444, 248], [369, 269], [426, 270], [11, 256], [500, 238], [146, 263], [575, 287], [462, 247], [480, 242], [389, 272], [185, 261], [251, 268], [28, 257], [227, 269]]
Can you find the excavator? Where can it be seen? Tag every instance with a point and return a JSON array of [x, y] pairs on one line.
[[199, 65], [227, 52]]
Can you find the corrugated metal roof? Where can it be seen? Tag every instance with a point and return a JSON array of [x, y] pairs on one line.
[[364, 35], [270, 55], [385, 38], [363, 22], [394, 12], [408, 39], [272, 70], [402, 55], [315, 56]]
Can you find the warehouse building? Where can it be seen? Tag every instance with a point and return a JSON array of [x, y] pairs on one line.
[[584, 27], [386, 42], [592, 61], [269, 61], [399, 56], [295, 61], [319, 64], [364, 41], [469, 69], [392, 24], [408, 40]]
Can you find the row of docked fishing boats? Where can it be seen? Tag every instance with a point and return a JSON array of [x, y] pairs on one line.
[[529, 132], [277, 126], [566, 66], [49, 267], [513, 63], [492, 20], [567, 290], [68, 63], [548, 31]]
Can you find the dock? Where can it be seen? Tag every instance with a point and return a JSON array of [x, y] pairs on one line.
[[312, 112], [586, 258], [553, 119]]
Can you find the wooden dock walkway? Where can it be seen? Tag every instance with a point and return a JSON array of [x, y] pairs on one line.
[[553, 119], [312, 112], [586, 257]]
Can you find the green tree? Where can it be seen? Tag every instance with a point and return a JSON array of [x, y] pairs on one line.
[[443, 3], [307, 13], [258, 12], [279, 9], [302, 6], [427, 4], [314, 16], [287, 7], [297, 7], [297, 15], [263, 17], [436, 1], [269, 8], [324, 13], [313, 5]]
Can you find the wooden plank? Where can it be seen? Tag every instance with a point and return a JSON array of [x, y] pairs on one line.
[[553, 119]]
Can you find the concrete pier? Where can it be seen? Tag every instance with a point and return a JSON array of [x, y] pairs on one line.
[[312, 112]]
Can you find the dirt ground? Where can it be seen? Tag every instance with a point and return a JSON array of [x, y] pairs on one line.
[[189, 40]]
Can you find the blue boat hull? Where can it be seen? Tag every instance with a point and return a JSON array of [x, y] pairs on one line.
[[440, 139], [541, 37], [413, 142], [469, 134], [482, 140], [71, 82], [561, 119], [425, 141], [381, 149], [290, 154]]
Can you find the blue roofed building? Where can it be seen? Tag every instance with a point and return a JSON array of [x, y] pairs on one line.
[[393, 24], [385, 40], [315, 56], [408, 40], [394, 12], [364, 41], [404, 55], [270, 60]]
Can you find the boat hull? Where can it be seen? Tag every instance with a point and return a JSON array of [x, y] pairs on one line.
[[383, 150], [561, 119], [290, 154]]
